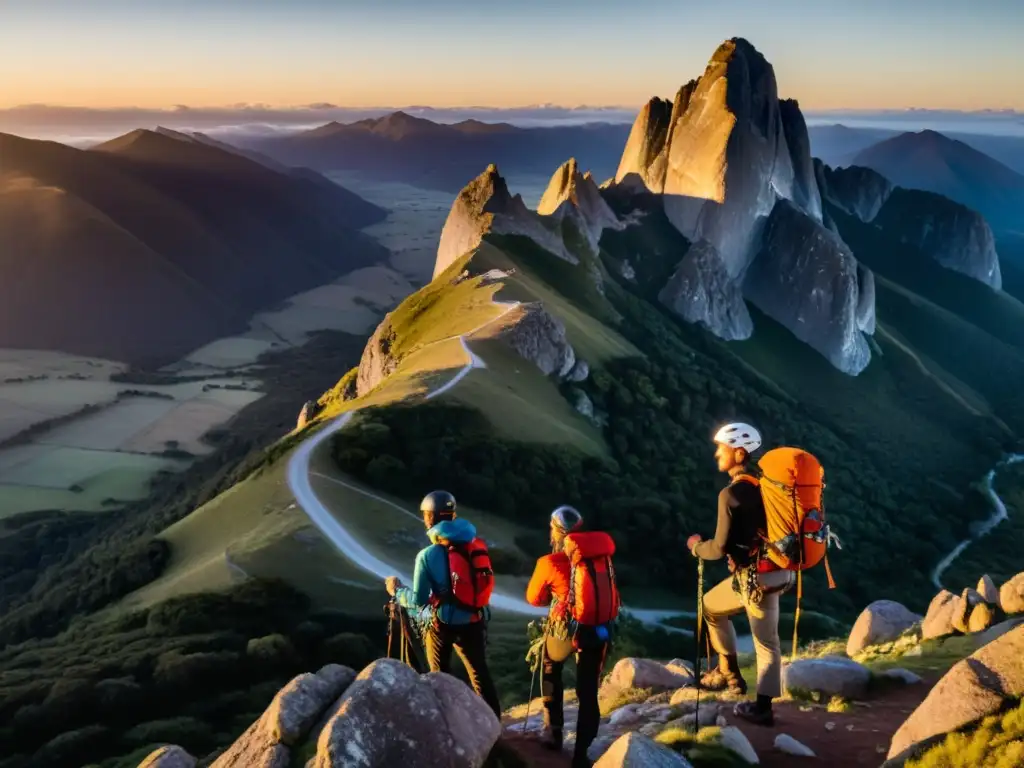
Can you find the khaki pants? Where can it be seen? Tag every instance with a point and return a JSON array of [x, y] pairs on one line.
[[722, 602]]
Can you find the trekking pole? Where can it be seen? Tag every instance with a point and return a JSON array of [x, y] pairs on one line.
[[533, 675], [389, 609], [696, 654]]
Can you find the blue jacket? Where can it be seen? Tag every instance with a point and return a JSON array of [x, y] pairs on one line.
[[431, 576]]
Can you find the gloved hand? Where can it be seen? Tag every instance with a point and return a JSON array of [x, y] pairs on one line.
[[391, 584]]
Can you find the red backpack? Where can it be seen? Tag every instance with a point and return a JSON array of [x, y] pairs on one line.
[[470, 575], [593, 593]]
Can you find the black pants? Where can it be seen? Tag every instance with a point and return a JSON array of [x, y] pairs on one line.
[[470, 642], [589, 666]]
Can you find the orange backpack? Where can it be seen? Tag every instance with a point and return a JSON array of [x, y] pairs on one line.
[[593, 593], [791, 485], [471, 575]]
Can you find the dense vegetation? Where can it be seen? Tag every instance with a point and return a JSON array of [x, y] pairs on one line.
[[195, 670]]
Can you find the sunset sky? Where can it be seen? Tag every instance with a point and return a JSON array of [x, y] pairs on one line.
[[952, 54]]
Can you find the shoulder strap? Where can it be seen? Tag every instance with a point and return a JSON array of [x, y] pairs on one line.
[[745, 478]]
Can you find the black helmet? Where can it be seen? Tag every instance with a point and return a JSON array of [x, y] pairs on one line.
[[566, 519], [437, 506]]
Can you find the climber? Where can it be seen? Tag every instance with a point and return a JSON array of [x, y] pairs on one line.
[[451, 588], [754, 586], [577, 580]]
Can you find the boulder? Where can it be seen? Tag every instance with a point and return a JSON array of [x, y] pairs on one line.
[[962, 609], [881, 622], [634, 750], [168, 757], [538, 336], [988, 590], [1011, 594], [786, 743], [856, 190], [982, 617], [901, 675], [733, 738], [702, 291], [645, 673], [938, 619], [485, 206], [392, 716], [831, 675], [805, 277], [293, 712], [972, 689], [952, 234]]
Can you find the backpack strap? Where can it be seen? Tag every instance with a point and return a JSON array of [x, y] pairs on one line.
[[746, 478]]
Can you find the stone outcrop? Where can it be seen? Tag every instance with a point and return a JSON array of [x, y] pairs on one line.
[[634, 750], [830, 675], [988, 590], [701, 291], [642, 167], [574, 197], [964, 606], [392, 716], [952, 234], [974, 688], [865, 299], [377, 361], [645, 673], [539, 336], [938, 620], [859, 191], [881, 622], [289, 718], [169, 757], [1011, 594], [486, 206], [307, 413], [806, 278]]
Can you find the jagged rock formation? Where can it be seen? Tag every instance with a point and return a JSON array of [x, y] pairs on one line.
[[952, 234], [859, 191], [729, 159], [573, 196], [975, 687], [486, 206], [702, 291], [377, 362], [806, 278], [539, 336]]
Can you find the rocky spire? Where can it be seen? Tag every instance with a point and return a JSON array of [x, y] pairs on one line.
[[485, 205], [574, 196]]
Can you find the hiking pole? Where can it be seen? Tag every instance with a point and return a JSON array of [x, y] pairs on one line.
[[389, 609], [696, 653], [533, 675]]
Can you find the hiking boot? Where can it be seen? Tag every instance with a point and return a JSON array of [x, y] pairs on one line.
[[752, 713], [719, 680], [553, 740], [581, 761]]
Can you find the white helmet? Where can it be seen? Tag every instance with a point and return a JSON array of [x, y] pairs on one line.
[[739, 435]]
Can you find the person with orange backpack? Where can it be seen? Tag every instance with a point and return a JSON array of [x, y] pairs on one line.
[[769, 528], [577, 581], [452, 583]]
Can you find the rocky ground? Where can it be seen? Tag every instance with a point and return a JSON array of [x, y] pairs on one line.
[[892, 690]]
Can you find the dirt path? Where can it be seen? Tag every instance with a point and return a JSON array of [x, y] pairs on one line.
[[858, 738]]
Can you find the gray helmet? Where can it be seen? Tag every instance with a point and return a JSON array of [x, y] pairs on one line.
[[437, 506], [566, 519]]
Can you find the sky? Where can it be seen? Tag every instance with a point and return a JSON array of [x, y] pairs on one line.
[[829, 54]]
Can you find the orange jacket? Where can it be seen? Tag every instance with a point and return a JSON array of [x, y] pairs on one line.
[[550, 580]]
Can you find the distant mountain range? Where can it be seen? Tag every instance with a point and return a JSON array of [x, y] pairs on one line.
[[931, 161], [401, 147], [152, 244]]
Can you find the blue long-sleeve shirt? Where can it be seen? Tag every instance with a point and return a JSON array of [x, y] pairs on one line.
[[431, 575]]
